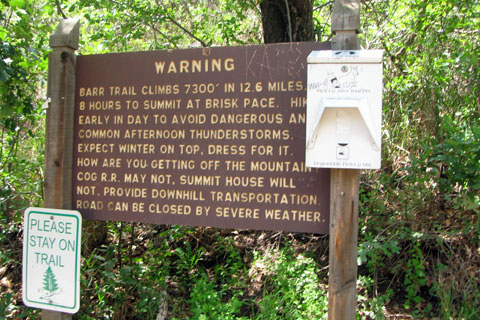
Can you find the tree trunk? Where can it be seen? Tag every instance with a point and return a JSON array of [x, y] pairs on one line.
[[287, 20]]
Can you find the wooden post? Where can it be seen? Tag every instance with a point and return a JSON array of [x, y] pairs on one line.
[[344, 187], [59, 135]]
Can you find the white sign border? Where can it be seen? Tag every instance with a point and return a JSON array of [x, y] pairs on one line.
[[44, 305]]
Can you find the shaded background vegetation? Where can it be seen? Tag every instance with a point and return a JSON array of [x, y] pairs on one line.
[[419, 236]]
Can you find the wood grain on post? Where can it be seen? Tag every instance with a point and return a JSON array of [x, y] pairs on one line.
[[59, 135], [344, 188], [346, 25], [342, 279]]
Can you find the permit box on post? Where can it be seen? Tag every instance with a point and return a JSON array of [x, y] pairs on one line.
[[344, 109]]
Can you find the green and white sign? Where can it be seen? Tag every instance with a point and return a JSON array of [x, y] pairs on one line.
[[51, 259]]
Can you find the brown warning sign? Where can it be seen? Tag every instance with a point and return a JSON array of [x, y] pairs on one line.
[[202, 137]]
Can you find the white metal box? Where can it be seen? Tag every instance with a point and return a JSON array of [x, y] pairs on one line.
[[344, 109]]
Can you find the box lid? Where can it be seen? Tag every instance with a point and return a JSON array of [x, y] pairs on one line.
[[345, 56]]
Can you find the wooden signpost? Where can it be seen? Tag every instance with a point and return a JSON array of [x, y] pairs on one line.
[[190, 127], [59, 136], [344, 185]]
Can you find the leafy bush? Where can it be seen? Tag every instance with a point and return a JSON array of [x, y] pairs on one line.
[[293, 289]]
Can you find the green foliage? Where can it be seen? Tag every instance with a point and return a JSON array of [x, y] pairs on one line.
[[429, 182], [208, 302], [371, 305], [322, 15], [148, 25], [293, 289], [113, 287], [215, 288], [22, 63], [431, 98], [22, 76], [454, 302], [374, 250], [415, 277]]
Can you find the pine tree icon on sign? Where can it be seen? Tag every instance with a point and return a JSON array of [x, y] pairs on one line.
[[49, 285]]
